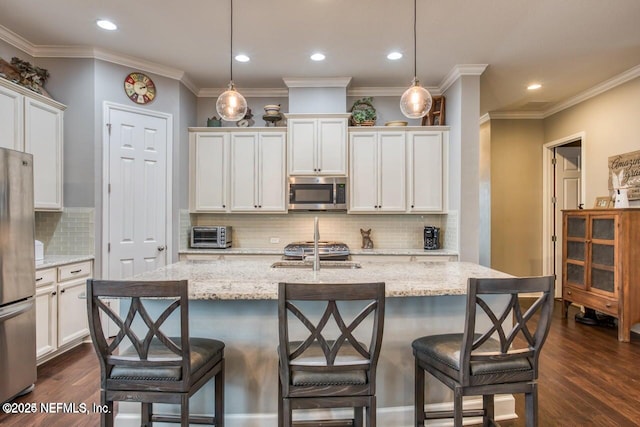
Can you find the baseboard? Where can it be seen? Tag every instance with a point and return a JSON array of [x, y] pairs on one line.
[[399, 416]]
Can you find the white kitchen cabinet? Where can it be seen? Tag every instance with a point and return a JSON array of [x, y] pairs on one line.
[[11, 119], [61, 315], [33, 123], [209, 171], [377, 171], [46, 312], [317, 146], [258, 172], [43, 139], [426, 171]]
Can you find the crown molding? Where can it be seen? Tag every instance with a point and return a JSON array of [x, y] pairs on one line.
[[595, 91], [459, 71], [317, 82], [214, 92], [16, 40], [484, 118], [515, 115], [385, 91]]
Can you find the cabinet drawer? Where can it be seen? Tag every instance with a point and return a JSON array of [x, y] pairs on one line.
[[73, 271], [45, 277], [597, 302]]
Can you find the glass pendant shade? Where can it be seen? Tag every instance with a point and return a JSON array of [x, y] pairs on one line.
[[231, 105], [415, 101]]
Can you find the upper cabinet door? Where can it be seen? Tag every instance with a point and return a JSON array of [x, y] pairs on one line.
[[426, 171], [363, 192], [391, 172], [317, 146], [209, 159], [332, 147], [302, 146], [244, 169], [11, 122], [43, 139], [271, 173]]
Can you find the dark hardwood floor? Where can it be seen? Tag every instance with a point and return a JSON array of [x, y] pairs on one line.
[[587, 378]]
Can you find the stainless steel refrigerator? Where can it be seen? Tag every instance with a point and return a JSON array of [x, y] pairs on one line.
[[17, 275]]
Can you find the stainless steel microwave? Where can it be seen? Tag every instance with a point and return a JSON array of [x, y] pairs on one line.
[[211, 237], [317, 193]]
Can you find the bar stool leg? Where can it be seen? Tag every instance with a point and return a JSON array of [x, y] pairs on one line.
[[419, 394]]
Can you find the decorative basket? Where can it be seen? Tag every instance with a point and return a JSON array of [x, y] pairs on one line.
[[366, 123]]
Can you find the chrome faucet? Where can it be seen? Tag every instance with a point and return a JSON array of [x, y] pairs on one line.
[[316, 252]]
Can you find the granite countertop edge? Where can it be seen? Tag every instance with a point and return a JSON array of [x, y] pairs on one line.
[[266, 251], [58, 260]]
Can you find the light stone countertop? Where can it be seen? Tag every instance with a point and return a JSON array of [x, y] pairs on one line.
[[354, 251], [231, 279], [58, 260]]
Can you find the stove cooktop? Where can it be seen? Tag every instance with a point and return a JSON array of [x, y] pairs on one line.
[[326, 250]]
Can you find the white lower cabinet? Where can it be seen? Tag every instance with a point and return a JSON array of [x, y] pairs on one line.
[[61, 313], [377, 171], [258, 172]]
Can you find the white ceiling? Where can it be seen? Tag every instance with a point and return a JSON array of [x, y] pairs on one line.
[[569, 46]]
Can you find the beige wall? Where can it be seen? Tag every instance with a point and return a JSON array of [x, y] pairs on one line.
[[611, 122], [516, 196], [611, 125]]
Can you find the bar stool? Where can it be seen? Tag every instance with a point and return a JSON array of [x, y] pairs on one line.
[[329, 367], [491, 362], [155, 368]]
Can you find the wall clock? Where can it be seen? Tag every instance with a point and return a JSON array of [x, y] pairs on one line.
[[139, 88]]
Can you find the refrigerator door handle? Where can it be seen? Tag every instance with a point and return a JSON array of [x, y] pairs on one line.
[[14, 310]]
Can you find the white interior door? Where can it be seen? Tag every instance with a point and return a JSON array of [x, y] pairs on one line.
[[568, 191], [138, 192]]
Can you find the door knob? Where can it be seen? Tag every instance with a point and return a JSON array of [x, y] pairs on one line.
[[162, 248]]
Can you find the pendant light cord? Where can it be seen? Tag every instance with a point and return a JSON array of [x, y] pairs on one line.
[[415, 37], [231, 51]]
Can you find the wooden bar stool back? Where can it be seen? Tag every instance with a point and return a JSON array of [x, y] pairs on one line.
[[503, 359], [328, 367], [142, 364]]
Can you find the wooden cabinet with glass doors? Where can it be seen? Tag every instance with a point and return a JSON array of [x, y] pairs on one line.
[[601, 263]]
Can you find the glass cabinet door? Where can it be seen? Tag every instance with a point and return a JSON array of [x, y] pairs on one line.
[[602, 255], [576, 249]]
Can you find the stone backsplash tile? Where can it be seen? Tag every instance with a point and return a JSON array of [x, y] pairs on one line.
[[70, 232], [388, 231]]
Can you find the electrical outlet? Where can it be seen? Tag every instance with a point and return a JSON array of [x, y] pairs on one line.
[[274, 240]]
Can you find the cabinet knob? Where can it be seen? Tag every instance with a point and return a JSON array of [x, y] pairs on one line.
[[53, 293], [608, 305], [62, 291], [412, 206], [39, 278], [259, 206], [568, 292], [162, 248], [255, 206], [224, 206]]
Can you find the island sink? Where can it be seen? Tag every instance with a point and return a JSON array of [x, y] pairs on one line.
[[309, 264]]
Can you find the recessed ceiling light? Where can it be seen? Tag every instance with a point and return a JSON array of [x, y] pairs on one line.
[[534, 86], [317, 57], [105, 24], [394, 56], [242, 58]]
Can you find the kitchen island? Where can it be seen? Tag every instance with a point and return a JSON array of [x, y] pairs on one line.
[[236, 301]]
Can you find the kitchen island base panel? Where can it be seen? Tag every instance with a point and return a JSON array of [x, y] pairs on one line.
[[250, 330]]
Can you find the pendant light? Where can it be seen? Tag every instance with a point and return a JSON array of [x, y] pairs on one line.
[[231, 105], [415, 101]]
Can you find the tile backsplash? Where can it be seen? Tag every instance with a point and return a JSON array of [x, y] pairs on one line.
[[70, 232], [388, 231]]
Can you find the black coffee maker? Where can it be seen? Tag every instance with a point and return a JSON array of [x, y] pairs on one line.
[[431, 237]]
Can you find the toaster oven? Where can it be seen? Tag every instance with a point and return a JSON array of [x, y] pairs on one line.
[[211, 237]]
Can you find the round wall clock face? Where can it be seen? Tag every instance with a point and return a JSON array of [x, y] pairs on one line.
[[139, 88]]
